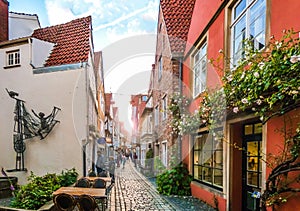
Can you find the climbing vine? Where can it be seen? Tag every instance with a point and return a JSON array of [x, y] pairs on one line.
[[266, 83]]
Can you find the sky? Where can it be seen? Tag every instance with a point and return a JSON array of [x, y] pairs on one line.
[[125, 32]]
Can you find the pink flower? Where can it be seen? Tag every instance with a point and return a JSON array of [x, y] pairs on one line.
[[235, 109], [294, 59], [258, 102], [244, 100], [256, 74]]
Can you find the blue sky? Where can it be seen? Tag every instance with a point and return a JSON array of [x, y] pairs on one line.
[[112, 19], [122, 29]]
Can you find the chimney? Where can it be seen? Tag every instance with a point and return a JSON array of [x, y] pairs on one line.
[[3, 20]]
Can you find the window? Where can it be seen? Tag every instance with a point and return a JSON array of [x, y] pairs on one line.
[[160, 67], [13, 58], [156, 115], [249, 21], [164, 153], [208, 159], [164, 108], [144, 98], [199, 70]]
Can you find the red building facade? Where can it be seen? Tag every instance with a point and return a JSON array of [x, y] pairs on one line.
[[229, 174]]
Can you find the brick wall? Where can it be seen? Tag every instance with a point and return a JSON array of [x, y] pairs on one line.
[[165, 86], [3, 20]]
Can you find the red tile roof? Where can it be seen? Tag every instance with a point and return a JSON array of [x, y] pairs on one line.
[[72, 41], [177, 16]]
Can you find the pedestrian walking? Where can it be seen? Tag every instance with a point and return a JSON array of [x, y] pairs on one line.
[[100, 164], [124, 160], [111, 169], [134, 158]]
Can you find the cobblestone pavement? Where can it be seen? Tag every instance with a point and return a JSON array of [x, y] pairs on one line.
[[133, 191]]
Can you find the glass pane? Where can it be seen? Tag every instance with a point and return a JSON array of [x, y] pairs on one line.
[[207, 158], [258, 128], [239, 34], [259, 177], [252, 164], [196, 157], [218, 159], [252, 179], [207, 174], [219, 144], [260, 165], [239, 8], [196, 175], [218, 177], [252, 148], [200, 172], [248, 129], [203, 51]]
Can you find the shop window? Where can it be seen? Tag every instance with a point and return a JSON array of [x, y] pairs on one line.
[[208, 159]]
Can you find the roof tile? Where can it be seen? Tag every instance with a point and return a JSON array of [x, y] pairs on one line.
[[72, 41], [177, 15]]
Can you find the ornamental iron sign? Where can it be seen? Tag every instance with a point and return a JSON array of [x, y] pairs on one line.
[[28, 126]]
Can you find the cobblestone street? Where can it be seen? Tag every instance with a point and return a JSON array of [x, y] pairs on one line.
[[133, 191]]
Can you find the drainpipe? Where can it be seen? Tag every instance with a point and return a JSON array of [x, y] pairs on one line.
[[87, 117], [180, 92]]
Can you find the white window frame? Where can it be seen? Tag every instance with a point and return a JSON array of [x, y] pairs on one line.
[[160, 67], [164, 103], [156, 115], [200, 70], [13, 58], [253, 21], [164, 153]]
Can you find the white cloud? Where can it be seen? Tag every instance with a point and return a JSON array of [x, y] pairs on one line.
[[121, 19], [58, 14]]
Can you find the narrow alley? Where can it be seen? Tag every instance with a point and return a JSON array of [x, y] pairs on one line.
[[133, 191]]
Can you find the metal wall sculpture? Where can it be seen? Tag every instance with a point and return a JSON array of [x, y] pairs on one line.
[[28, 126]]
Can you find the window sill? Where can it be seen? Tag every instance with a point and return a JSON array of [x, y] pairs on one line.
[[207, 187], [12, 66]]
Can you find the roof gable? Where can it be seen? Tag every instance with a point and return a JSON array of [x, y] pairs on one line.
[[177, 15], [72, 41]]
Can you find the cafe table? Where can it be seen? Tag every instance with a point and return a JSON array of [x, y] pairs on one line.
[[97, 193], [92, 179]]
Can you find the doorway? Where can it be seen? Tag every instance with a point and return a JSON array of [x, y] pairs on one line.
[[251, 166]]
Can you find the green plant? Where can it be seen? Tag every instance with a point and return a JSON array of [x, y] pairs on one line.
[[40, 188], [68, 177], [266, 82], [175, 181]]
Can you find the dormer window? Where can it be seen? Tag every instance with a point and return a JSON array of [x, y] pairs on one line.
[[13, 58]]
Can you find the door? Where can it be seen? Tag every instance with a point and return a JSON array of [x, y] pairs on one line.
[[251, 166]]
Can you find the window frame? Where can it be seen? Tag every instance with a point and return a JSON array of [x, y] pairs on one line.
[[244, 15], [160, 67], [156, 115], [164, 103], [198, 68], [13, 58], [212, 168]]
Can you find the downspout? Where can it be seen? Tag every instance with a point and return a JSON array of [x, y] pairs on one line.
[[87, 117], [180, 92]]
